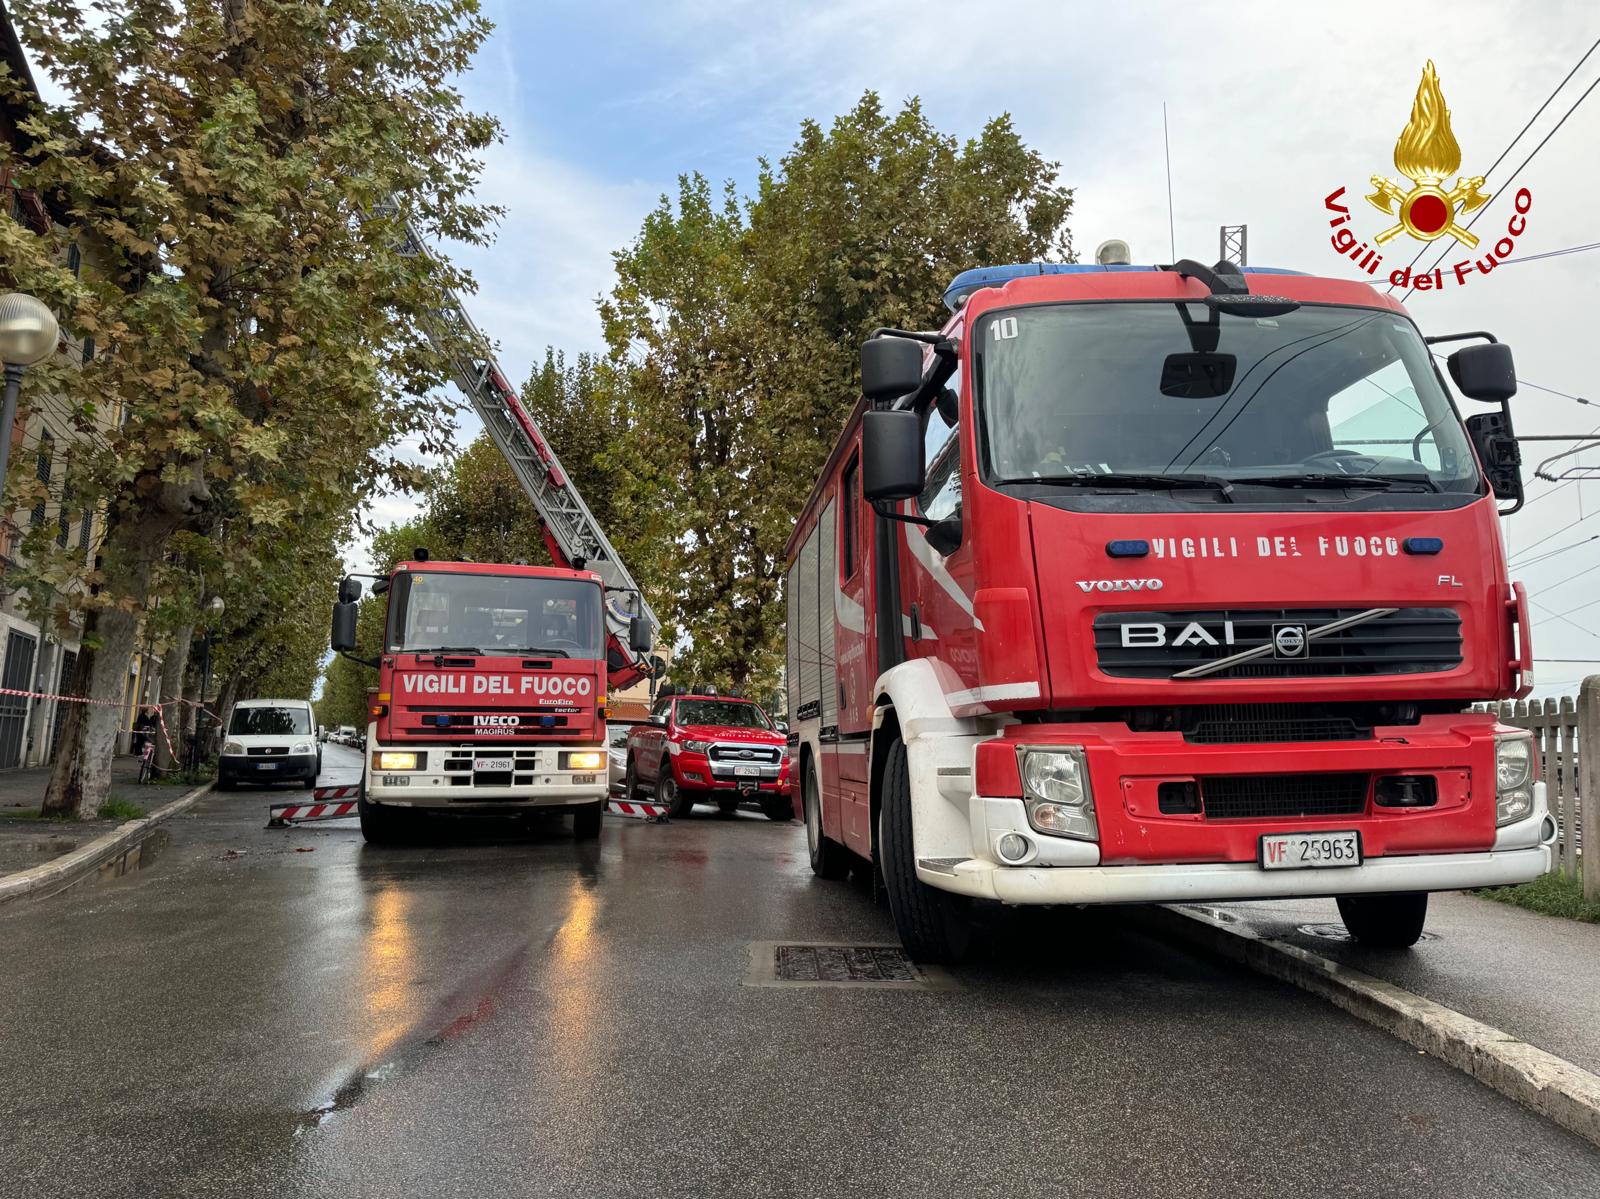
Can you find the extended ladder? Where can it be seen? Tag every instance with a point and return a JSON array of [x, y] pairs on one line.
[[571, 532]]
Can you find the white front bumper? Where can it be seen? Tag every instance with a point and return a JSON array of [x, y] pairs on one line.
[[536, 781], [1066, 871]]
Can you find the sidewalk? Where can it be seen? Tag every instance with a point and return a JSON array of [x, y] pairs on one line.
[[1534, 977], [25, 842]]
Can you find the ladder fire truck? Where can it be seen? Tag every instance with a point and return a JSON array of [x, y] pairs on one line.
[[493, 679]]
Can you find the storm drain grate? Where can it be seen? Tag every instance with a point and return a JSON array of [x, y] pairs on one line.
[[786, 964]]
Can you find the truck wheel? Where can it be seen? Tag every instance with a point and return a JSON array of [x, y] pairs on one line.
[[1385, 921], [630, 782], [829, 859], [934, 925], [679, 802], [379, 826], [586, 821], [728, 806], [777, 807]]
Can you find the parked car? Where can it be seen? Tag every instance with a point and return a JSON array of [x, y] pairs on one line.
[[347, 735], [617, 752], [712, 748], [269, 741]]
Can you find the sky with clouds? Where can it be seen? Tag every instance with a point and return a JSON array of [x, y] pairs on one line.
[[1269, 108]]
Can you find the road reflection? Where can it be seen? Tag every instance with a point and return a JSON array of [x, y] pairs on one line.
[[388, 970]]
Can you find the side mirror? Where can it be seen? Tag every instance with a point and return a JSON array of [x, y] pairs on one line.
[[1499, 453], [891, 455], [640, 635], [658, 718], [783, 726], [890, 367], [343, 637], [349, 590], [1484, 372]]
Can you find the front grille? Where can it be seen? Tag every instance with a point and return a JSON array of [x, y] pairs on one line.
[[1222, 724], [262, 751], [746, 755], [1254, 796], [1408, 641]]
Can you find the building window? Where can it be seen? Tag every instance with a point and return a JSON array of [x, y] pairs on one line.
[[75, 260], [86, 528], [41, 471], [63, 521]]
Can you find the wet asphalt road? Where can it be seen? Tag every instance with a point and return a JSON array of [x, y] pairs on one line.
[[537, 1017]]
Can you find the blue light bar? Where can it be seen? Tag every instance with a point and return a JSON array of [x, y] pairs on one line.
[[1127, 549], [1424, 545], [967, 282]]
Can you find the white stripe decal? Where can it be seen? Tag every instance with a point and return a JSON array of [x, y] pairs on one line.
[[926, 632], [844, 747], [934, 565], [996, 691]]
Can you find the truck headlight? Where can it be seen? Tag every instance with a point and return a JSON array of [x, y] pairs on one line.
[[1513, 777], [696, 747], [1056, 793], [394, 760], [233, 749], [581, 760]]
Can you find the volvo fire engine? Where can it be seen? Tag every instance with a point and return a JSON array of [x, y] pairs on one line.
[[1165, 583]]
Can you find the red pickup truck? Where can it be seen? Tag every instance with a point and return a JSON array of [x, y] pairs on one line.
[[712, 749]]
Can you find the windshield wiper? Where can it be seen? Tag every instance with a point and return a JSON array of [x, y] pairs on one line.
[[1341, 482], [1210, 482], [445, 649], [533, 649]]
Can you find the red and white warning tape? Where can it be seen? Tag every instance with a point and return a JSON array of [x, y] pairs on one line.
[[637, 809]]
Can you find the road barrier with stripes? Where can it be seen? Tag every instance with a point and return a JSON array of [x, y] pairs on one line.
[[327, 803], [639, 810]]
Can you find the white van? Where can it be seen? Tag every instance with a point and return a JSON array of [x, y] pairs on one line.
[[270, 741]]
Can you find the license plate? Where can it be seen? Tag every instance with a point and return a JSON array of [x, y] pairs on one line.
[[266, 765], [493, 764], [584, 778], [1310, 851], [747, 772]]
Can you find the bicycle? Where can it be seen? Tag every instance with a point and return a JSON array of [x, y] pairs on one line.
[[147, 761]]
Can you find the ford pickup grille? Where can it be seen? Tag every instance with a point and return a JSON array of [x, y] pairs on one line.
[[1158, 645]]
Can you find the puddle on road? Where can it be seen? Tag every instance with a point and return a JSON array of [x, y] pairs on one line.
[[1338, 932]]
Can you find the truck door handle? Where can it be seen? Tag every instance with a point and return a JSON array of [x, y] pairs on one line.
[[916, 623]]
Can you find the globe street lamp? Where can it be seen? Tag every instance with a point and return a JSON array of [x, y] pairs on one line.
[[27, 336]]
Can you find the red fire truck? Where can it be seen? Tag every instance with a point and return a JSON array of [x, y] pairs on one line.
[[1151, 584], [491, 693], [492, 679]]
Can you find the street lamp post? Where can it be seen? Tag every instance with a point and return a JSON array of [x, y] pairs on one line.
[[27, 336]]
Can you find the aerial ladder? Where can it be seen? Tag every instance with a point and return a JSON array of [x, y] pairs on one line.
[[571, 533]]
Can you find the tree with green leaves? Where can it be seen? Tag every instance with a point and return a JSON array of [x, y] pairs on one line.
[[260, 323], [735, 326]]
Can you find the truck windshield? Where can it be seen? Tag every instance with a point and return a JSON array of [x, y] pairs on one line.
[[721, 711], [495, 614], [1316, 395]]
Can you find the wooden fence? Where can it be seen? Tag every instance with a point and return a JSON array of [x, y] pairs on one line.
[[1566, 736]]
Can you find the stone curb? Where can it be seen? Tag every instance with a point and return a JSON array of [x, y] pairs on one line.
[[1551, 1086], [62, 872]]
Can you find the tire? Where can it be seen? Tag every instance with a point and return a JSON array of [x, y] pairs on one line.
[[829, 859], [630, 782], [678, 801], [1385, 921], [934, 925], [728, 806], [379, 826], [225, 784], [777, 807], [586, 821]]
